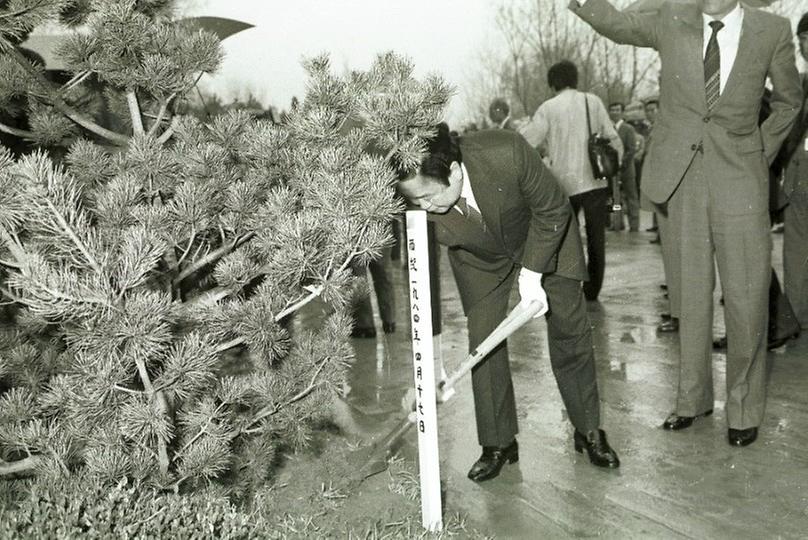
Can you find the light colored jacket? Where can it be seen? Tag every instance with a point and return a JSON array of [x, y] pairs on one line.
[[559, 128]]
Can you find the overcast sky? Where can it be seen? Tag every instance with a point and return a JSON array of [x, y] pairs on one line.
[[441, 36]]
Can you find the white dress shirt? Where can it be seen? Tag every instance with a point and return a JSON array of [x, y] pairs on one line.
[[466, 192], [728, 38]]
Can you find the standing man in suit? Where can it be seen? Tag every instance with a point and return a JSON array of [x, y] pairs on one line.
[[795, 187], [626, 176], [709, 162], [506, 220]]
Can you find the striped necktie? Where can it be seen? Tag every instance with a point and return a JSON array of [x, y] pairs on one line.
[[712, 66]]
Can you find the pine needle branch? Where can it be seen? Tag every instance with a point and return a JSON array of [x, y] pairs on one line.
[[162, 139], [23, 11], [162, 408], [76, 80], [22, 466], [201, 431], [188, 249], [57, 100], [76, 240], [17, 132], [314, 293], [213, 256], [274, 409], [13, 245], [161, 115], [134, 112]]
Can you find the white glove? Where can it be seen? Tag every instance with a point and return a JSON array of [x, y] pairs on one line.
[[530, 290]]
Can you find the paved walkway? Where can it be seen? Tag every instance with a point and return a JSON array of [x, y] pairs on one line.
[[688, 484]]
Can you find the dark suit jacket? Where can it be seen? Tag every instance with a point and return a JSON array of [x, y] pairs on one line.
[[736, 151], [528, 218], [796, 173]]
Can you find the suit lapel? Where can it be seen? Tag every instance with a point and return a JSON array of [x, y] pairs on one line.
[[746, 51]]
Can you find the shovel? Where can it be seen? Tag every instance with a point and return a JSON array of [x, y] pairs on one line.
[[373, 460]]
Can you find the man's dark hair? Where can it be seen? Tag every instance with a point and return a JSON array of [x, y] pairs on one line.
[[562, 75], [499, 106], [441, 150], [618, 104], [802, 26], [651, 101]]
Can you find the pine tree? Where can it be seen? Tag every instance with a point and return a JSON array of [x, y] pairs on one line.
[[153, 273]]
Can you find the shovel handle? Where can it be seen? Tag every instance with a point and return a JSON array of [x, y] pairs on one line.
[[510, 324]]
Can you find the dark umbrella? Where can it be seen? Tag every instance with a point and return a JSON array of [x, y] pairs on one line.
[[45, 45]]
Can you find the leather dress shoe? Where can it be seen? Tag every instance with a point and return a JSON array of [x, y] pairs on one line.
[[665, 316], [597, 448], [742, 437], [720, 344], [492, 461], [363, 333], [389, 327], [774, 343], [669, 325], [674, 422], [654, 241]]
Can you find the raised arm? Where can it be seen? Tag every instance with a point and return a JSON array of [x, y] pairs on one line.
[[640, 29]]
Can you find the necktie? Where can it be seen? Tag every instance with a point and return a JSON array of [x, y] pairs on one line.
[[470, 212], [712, 66]]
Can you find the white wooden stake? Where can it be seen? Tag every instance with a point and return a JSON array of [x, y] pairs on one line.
[[426, 418]]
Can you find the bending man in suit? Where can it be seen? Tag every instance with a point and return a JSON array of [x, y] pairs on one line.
[[709, 162], [505, 219]]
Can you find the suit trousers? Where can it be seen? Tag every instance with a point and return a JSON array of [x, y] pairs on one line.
[[385, 294], [741, 247], [594, 206], [571, 356], [631, 200], [795, 253], [670, 246]]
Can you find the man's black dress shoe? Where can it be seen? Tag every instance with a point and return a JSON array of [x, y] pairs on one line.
[[720, 344], [598, 449], [654, 241], [492, 460], [742, 437], [669, 325], [665, 316], [363, 333], [774, 343], [674, 422]]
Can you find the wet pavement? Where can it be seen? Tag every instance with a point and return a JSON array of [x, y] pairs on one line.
[[688, 484]]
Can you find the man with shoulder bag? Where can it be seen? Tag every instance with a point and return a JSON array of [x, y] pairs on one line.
[[581, 155]]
